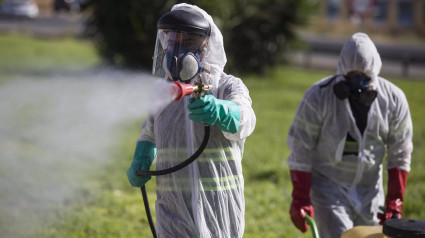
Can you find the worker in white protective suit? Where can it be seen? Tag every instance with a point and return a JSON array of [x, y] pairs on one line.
[[206, 198], [343, 128]]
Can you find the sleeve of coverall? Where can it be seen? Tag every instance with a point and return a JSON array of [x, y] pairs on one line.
[[304, 132], [236, 91], [147, 130], [399, 142]]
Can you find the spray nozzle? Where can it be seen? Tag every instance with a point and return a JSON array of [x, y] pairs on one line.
[[198, 90]]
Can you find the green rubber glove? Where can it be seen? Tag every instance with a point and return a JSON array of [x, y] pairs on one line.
[[212, 111], [142, 160]]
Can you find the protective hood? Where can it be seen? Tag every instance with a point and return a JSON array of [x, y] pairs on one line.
[[360, 53], [214, 58]]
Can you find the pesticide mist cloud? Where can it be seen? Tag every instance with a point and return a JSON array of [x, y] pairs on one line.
[[54, 129]]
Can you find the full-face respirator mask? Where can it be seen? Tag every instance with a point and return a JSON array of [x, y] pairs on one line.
[[356, 86], [180, 43]]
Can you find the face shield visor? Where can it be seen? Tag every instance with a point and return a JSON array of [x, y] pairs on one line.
[[178, 54]]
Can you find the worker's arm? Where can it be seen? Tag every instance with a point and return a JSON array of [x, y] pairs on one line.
[[301, 204], [142, 160], [222, 113], [400, 146]]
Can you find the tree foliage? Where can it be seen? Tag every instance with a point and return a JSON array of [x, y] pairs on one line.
[[256, 33]]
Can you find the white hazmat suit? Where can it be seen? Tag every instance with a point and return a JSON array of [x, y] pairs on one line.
[[206, 198], [347, 189]]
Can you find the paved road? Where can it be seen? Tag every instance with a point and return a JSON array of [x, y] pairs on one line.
[[398, 60], [329, 61], [53, 26]]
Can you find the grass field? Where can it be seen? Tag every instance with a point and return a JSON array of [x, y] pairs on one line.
[[104, 205]]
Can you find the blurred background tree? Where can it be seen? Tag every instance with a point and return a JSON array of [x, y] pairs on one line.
[[257, 33]]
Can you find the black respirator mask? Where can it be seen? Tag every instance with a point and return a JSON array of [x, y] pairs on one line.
[[356, 86]]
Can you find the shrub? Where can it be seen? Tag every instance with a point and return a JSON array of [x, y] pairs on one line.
[[256, 33]]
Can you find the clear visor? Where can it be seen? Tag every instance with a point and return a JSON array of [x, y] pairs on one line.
[[170, 47]]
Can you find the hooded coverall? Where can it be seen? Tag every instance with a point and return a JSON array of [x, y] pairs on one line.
[[346, 165], [206, 198]]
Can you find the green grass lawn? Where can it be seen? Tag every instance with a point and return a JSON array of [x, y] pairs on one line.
[[106, 205], [20, 54]]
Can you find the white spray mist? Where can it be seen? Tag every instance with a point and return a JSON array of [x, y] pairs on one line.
[[55, 128], [163, 93]]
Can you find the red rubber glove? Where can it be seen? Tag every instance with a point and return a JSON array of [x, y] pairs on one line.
[[301, 204], [394, 199]]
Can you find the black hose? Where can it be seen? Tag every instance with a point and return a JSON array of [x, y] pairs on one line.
[[182, 164], [148, 210], [169, 171]]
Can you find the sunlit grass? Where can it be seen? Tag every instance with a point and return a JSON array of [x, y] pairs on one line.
[[22, 54], [107, 206]]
